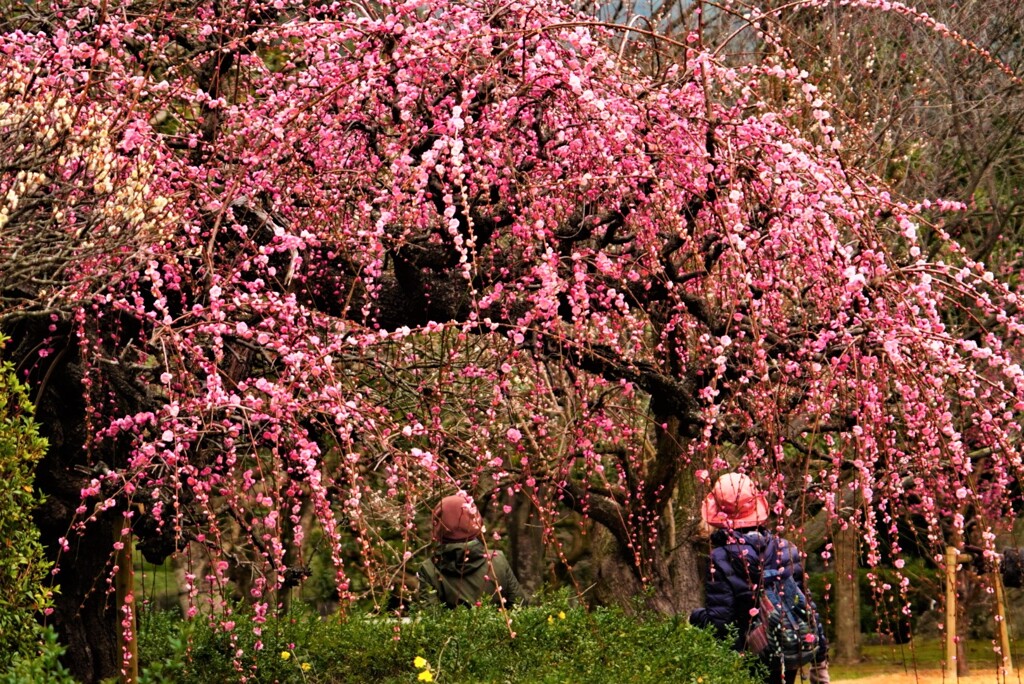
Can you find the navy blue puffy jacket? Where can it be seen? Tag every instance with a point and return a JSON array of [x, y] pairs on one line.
[[735, 567]]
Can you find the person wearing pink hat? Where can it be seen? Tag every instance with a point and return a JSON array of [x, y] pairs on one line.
[[461, 570], [742, 549]]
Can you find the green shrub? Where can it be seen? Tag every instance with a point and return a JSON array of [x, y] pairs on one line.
[[553, 643], [23, 566], [41, 664]]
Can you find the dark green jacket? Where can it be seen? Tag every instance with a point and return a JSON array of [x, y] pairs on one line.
[[465, 573]]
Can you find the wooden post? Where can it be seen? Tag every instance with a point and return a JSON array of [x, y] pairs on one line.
[[123, 589], [1004, 632], [951, 561], [846, 595]]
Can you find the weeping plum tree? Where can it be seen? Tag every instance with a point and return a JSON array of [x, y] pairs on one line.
[[276, 268]]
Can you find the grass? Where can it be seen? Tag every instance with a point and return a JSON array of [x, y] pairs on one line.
[[917, 655]]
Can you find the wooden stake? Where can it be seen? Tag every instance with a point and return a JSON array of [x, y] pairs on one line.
[[951, 560], [123, 588], [1004, 632]]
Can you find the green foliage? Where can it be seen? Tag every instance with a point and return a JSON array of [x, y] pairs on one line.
[[554, 642], [41, 664], [23, 566]]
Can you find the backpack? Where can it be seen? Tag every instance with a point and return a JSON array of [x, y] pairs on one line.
[[785, 624]]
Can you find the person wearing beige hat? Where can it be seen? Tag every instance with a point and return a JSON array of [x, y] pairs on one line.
[[461, 571], [743, 550]]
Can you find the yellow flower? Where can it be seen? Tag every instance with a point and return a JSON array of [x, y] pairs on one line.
[[551, 619], [561, 615], [425, 676], [420, 662], [285, 655], [305, 667]]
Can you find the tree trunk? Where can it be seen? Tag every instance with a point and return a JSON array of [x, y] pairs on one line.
[[84, 612], [669, 572], [847, 596], [963, 666], [672, 583], [526, 543], [663, 568]]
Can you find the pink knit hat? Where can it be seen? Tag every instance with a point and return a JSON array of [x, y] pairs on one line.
[[455, 519], [734, 502]]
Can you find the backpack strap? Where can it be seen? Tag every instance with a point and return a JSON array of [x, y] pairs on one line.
[[751, 568]]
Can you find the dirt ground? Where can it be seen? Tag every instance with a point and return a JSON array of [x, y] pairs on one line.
[[977, 676]]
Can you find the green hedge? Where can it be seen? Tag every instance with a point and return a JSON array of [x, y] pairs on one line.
[[553, 643], [23, 566]]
